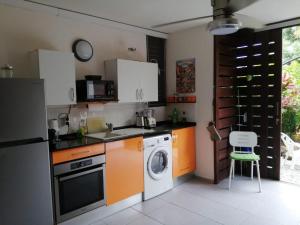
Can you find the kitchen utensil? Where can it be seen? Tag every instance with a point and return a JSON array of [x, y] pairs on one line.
[[149, 120], [140, 119]]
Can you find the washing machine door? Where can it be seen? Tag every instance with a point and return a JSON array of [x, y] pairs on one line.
[[158, 164]]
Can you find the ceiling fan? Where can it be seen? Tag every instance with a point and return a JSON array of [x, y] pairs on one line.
[[225, 21]]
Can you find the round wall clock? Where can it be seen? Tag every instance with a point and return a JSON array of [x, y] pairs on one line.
[[83, 50]]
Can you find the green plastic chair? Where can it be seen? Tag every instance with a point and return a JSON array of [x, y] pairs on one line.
[[243, 139]]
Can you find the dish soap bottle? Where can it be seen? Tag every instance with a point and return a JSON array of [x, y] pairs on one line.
[[183, 120], [175, 116]]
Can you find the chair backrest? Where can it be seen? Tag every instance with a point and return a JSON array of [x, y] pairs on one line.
[[243, 139], [287, 141]]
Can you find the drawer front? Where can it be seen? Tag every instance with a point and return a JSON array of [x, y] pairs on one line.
[[77, 153]]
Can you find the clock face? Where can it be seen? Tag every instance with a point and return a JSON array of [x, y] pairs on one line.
[[82, 50]]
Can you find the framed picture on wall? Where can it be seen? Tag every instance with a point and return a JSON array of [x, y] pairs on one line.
[[185, 76]]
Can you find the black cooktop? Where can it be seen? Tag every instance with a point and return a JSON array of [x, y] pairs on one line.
[[72, 141]]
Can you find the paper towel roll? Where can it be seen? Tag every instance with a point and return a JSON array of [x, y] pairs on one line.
[[95, 107]]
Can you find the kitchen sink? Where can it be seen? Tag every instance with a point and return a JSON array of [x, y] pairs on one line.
[[119, 133], [132, 131], [105, 135]]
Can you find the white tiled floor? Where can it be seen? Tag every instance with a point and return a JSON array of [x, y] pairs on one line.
[[196, 203]]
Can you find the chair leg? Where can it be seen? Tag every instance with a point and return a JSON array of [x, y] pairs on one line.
[[230, 173], [241, 168], [252, 170], [258, 175], [233, 170]]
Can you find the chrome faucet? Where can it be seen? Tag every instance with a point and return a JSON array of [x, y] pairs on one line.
[[110, 127]]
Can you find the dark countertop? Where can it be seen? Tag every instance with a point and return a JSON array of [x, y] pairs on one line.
[[72, 141]]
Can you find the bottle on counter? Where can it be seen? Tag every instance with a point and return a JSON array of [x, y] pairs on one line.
[[183, 119], [175, 116]]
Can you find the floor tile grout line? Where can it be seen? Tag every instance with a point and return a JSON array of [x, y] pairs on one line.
[[249, 213], [174, 204], [149, 216], [195, 213], [102, 220], [218, 202]]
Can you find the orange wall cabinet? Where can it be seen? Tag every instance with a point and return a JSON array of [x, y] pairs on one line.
[[184, 151], [124, 169]]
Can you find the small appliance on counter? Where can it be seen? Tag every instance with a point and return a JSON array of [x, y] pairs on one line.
[[93, 88], [140, 119], [149, 120]]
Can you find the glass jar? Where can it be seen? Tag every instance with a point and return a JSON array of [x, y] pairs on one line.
[[7, 71]]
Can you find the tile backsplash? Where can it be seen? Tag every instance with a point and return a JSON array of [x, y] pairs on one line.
[[119, 114]]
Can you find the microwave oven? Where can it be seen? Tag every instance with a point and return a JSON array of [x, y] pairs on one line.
[[95, 90]]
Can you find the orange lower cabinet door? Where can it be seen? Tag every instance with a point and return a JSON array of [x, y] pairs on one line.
[[124, 169], [184, 151], [175, 157]]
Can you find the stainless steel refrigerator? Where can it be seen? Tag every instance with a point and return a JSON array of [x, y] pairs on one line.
[[25, 178]]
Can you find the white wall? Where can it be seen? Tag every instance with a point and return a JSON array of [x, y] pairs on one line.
[[195, 43], [23, 30], [24, 27]]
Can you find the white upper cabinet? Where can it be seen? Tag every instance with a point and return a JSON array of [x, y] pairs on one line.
[[135, 81], [58, 71]]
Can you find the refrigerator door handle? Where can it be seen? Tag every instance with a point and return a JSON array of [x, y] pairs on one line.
[[22, 142]]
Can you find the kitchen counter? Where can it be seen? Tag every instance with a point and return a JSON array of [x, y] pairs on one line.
[[71, 141]]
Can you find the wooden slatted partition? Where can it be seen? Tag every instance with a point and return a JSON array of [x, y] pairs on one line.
[[225, 101], [250, 99]]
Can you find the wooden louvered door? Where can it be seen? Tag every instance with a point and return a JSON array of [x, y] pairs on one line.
[[225, 102], [255, 92]]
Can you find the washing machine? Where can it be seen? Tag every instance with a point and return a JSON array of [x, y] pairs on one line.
[[157, 165]]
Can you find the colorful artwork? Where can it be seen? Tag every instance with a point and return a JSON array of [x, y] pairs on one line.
[[185, 76]]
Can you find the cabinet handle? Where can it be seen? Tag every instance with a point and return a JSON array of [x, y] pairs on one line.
[[142, 94], [137, 94], [79, 153], [140, 146], [174, 137], [72, 94]]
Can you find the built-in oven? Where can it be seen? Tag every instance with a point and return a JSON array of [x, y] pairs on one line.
[[79, 186]]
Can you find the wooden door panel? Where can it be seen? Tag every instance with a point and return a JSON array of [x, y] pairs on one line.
[[255, 83], [124, 169]]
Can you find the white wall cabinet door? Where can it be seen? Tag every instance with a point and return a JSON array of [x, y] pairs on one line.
[[129, 81], [149, 82], [58, 70], [135, 81]]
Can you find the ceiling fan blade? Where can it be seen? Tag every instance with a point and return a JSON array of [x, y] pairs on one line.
[[249, 22], [181, 21], [236, 5]]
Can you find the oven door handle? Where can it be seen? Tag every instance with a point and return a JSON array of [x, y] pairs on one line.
[[81, 174]]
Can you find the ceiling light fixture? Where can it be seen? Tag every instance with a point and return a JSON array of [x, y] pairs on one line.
[[224, 26]]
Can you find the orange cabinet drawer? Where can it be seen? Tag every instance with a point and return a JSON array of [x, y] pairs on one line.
[[77, 153]]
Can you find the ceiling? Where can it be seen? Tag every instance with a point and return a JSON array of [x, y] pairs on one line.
[[147, 13]]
